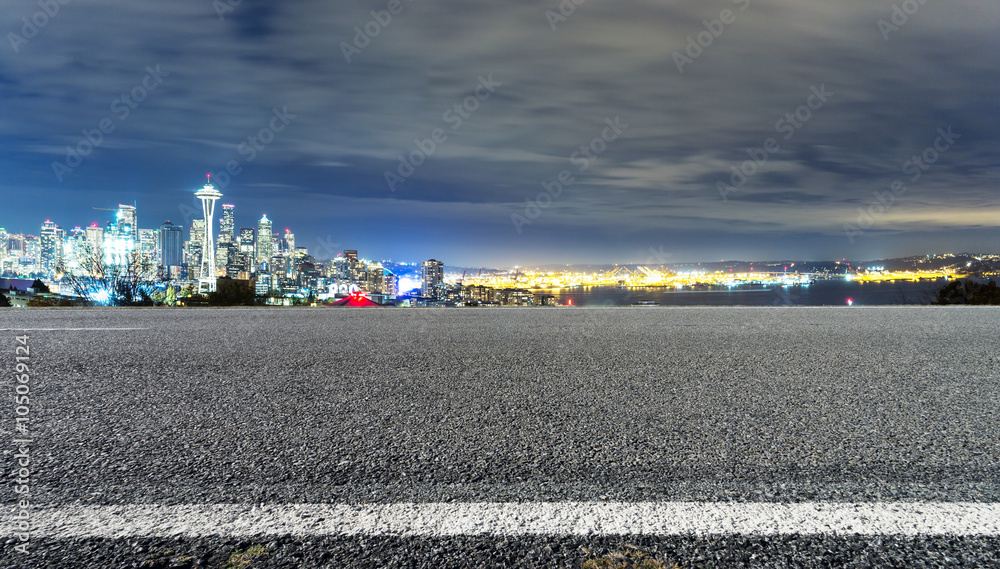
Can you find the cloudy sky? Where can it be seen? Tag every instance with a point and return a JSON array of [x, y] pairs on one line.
[[315, 106]]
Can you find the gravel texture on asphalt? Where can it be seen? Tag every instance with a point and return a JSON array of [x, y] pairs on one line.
[[529, 552], [437, 405]]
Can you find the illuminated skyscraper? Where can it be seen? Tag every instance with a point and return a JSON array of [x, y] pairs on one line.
[[227, 237], [169, 246], [147, 245], [4, 248], [121, 239], [247, 241], [227, 225], [431, 278], [76, 252], [208, 196], [265, 241], [193, 247], [49, 248], [247, 247], [95, 236], [127, 222]]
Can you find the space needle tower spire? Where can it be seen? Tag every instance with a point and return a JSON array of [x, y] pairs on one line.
[[208, 196]]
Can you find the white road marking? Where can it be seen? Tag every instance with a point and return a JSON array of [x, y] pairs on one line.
[[550, 518], [70, 329]]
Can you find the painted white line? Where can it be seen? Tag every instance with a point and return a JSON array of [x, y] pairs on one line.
[[70, 329], [551, 518]]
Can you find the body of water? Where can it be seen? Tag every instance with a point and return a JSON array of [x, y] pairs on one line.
[[820, 293]]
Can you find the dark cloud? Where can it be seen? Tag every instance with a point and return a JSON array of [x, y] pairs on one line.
[[323, 175]]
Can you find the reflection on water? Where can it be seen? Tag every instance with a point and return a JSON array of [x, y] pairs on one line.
[[820, 293]]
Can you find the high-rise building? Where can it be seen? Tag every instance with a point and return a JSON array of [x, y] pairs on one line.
[[127, 222], [289, 241], [431, 278], [207, 275], [247, 241], [147, 246], [121, 238], [17, 244], [32, 250], [95, 240], [193, 248], [170, 246], [49, 248], [356, 273], [227, 225], [373, 278], [265, 241], [76, 252], [390, 282]]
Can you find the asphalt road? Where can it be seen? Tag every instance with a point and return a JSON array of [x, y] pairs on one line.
[[331, 406]]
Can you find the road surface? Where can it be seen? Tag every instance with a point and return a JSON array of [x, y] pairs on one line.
[[710, 437]]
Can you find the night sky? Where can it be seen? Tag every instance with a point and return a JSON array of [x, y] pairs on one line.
[[529, 96]]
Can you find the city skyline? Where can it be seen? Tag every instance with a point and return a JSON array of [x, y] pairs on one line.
[[515, 134], [193, 232]]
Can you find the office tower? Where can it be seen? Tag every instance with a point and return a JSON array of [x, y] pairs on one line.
[[193, 248], [208, 196], [95, 239], [247, 243], [17, 244], [76, 251], [49, 248], [121, 238], [356, 273], [170, 246], [431, 278], [265, 241], [373, 278], [337, 269], [235, 262], [147, 246], [227, 225], [390, 282], [289, 241], [127, 222], [32, 250]]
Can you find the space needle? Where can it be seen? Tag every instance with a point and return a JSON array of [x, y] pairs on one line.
[[208, 196]]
